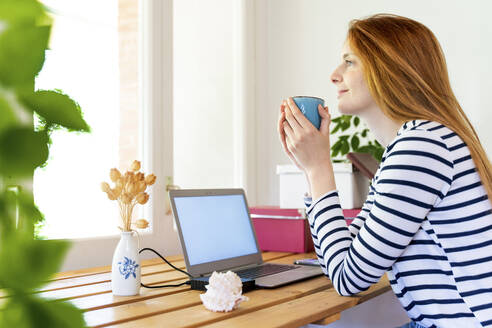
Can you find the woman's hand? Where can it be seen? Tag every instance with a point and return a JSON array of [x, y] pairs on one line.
[[306, 146], [281, 134]]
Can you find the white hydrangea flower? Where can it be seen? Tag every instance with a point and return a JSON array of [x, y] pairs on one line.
[[223, 292]]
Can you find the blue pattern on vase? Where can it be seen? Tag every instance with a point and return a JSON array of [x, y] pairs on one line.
[[128, 267]]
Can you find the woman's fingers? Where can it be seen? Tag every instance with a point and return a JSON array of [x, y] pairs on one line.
[[281, 132], [282, 124], [285, 145], [293, 122], [325, 120], [299, 117]]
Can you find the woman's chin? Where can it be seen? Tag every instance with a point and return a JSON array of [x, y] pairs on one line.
[[347, 110], [344, 110]]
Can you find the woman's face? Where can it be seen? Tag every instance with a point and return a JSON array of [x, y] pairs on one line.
[[354, 97]]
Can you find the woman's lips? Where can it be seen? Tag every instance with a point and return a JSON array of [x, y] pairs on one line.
[[340, 92]]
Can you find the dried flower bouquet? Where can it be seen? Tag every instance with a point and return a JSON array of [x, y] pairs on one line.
[[129, 190]]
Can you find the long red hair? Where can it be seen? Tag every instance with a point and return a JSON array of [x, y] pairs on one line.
[[406, 73]]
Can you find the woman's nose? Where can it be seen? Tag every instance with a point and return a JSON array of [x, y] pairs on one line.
[[336, 77]]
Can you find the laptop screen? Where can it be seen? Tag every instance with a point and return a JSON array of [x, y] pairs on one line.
[[215, 227]]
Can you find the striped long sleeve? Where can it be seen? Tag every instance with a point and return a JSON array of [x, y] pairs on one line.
[[353, 228], [427, 222]]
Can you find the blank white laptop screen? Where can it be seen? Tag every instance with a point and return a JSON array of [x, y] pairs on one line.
[[215, 228]]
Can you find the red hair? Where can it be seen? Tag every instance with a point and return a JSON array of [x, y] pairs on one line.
[[407, 76]]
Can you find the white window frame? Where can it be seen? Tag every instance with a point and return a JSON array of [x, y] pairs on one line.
[[156, 100], [156, 92]]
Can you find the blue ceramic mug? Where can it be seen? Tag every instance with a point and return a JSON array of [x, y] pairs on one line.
[[309, 107]]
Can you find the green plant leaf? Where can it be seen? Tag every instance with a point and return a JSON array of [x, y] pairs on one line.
[[21, 151], [365, 149], [20, 12], [28, 264], [57, 108], [345, 147], [364, 132], [354, 142], [27, 207], [22, 203], [356, 121], [335, 149], [31, 311], [345, 125], [8, 117], [378, 154], [337, 127], [22, 53], [7, 219]]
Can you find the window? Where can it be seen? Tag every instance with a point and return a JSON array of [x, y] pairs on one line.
[[93, 59], [149, 82]]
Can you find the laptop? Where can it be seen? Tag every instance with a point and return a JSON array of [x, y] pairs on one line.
[[216, 234]]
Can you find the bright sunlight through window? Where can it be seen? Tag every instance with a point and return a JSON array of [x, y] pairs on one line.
[[84, 62]]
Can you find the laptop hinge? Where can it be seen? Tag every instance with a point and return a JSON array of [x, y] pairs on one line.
[[233, 269]]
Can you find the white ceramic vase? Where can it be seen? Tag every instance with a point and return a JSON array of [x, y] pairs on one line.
[[125, 271]]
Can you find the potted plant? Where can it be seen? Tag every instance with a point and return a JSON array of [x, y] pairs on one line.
[[27, 263], [129, 189], [351, 142], [352, 175]]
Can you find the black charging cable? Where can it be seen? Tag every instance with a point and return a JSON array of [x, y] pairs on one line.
[[184, 283]]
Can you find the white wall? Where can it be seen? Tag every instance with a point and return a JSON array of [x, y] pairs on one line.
[[298, 44], [203, 93]]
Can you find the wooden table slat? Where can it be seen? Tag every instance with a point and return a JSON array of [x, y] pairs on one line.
[[106, 277], [107, 268], [95, 300], [294, 313], [169, 277], [198, 315], [319, 307], [105, 300], [297, 304], [103, 274]]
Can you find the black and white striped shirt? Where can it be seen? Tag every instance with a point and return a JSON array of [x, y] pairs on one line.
[[427, 222]]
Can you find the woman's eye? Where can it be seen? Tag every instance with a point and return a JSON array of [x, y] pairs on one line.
[[348, 62]]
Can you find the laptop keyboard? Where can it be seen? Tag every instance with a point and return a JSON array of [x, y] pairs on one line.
[[263, 270]]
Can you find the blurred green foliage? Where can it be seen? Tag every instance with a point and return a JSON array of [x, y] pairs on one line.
[[26, 263], [358, 141]]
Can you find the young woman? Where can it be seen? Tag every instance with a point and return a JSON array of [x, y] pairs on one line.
[[427, 220]]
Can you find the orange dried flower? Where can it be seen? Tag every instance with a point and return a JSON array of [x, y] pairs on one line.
[[135, 166], [111, 195], [128, 176], [142, 224], [126, 198], [129, 189], [117, 191], [150, 179], [142, 198], [141, 186], [105, 187], [114, 174], [120, 183]]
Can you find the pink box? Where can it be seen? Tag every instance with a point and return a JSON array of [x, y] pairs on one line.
[[285, 229]]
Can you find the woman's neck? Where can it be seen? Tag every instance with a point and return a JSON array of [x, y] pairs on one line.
[[381, 126]]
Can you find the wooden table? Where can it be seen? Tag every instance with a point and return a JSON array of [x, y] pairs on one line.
[[309, 301]]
